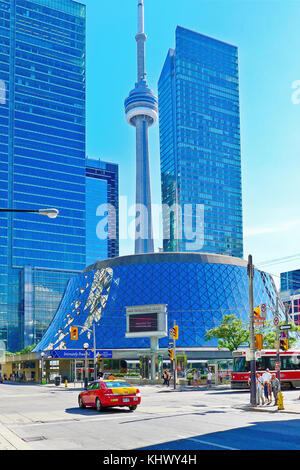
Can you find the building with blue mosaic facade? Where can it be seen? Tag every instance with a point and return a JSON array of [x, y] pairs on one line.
[[198, 290]]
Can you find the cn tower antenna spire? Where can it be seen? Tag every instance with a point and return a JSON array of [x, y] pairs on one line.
[[141, 16], [141, 39]]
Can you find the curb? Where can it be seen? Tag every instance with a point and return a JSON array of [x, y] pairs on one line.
[[268, 410]]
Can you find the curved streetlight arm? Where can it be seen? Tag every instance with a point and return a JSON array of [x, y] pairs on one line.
[[51, 213]]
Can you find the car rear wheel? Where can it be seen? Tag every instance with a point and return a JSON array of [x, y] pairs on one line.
[[99, 406], [81, 405], [133, 407]]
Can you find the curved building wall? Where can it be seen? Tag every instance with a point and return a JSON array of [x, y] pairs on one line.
[[197, 288]]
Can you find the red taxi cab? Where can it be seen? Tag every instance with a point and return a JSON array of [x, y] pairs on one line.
[[102, 394]]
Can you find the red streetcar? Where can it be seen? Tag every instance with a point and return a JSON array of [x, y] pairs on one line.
[[102, 394], [289, 367]]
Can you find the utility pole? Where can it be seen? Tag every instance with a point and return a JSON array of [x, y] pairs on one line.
[[277, 343], [174, 356], [250, 272]]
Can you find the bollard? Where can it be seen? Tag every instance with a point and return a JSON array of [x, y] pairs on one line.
[[280, 401], [66, 383]]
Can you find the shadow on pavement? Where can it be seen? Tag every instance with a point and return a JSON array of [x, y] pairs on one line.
[[271, 435], [89, 411]]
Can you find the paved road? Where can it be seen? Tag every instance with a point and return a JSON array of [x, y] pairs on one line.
[[37, 417]]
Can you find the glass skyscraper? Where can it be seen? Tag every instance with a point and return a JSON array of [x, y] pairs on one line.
[[199, 123], [290, 281], [102, 210], [43, 157]]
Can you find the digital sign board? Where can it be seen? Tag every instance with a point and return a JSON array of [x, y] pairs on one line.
[[143, 322], [146, 320]]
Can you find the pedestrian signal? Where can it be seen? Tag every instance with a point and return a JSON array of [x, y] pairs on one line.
[[171, 354], [74, 332], [259, 340], [176, 332]]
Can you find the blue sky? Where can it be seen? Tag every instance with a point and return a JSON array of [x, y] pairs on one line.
[[267, 35]]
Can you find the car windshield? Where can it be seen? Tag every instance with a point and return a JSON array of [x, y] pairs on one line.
[[117, 383]]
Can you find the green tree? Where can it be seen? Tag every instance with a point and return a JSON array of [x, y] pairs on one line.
[[269, 334], [26, 350], [231, 333]]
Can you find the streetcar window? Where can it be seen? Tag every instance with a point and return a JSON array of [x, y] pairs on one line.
[[239, 364], [260, 364], [272, 363], [290, 362]]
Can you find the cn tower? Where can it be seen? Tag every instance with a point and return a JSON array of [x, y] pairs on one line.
[[142, 112]]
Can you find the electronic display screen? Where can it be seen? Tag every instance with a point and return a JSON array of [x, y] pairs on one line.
[[139, 323]]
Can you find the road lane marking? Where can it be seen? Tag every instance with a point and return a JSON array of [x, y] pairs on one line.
[[207, 443]]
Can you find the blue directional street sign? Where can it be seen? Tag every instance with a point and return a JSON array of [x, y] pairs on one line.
[[79, 353]]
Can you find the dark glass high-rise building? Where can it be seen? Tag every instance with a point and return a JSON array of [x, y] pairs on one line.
[[199, 124], [102, 210], [42, 157]]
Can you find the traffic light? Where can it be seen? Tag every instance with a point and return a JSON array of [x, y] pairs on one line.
[[176, 332], [257, 312], [99, 358], [171, 354], [259, 341], [74, 332], [284, 344]]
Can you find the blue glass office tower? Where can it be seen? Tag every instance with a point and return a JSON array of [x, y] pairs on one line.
[[102, 210], [42, 158], [290, 281], [198, 93]]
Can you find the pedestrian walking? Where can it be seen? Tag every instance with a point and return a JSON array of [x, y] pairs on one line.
[[275, 386], [259, 389], [208, 379], [168, 377], [164, 377]]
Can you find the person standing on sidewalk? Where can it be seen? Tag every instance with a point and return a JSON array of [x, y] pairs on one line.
[[266, 377], [209, 377], [275, 386], [195, 378], [259, 389]]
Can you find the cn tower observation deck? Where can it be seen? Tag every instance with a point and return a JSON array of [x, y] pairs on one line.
[[141, 109]]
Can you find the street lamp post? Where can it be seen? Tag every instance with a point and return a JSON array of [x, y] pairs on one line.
[[86, 347], [94, 340], [42, 363]]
